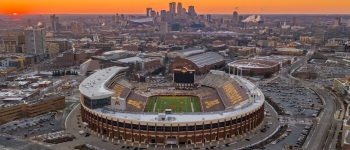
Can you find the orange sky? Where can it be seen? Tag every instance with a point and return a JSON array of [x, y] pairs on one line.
[[201, 6]]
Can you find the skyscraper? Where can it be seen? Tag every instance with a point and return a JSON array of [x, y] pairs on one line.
[[122, 17], [117, 18], [54, 22], [29, 23], [148, 12], [235, 17], [294, 21], [163, 15], [172, 7], [191, 12], [179, 8], [337, 21], [35, 41], [208, 17]]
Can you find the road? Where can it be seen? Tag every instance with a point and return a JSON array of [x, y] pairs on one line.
[[316, 141]]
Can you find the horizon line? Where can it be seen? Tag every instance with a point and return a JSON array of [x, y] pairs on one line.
[[197, 14]]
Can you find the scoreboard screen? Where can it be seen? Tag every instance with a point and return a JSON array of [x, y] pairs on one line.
[[184, 75]]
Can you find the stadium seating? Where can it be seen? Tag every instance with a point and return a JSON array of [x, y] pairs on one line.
[[231, 94], [118, 90], [208, 97], [215, 81], [135, 102], [209, 104]]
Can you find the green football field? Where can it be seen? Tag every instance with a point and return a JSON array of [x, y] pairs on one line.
[[175, 103]]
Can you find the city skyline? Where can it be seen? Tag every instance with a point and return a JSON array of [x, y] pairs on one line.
[[112, 7]]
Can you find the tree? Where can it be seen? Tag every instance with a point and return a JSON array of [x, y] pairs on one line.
[[267, 74]]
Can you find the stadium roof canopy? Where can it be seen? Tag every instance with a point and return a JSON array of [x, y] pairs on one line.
[[205, 59], [142, 20]]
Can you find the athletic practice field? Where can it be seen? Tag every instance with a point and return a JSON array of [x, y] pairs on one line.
[[177, 104]]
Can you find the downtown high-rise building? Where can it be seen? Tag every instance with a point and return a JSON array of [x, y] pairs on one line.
[[208, 17], [163, 15], [294, 21], [54, 22], [172, 7], [337, 21], [179, 8], [235, 18], [35, 41], [191, 12], [148, 12]]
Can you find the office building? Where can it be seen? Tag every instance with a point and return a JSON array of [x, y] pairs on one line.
[[163, 28], [54, 22], [235, 18], [191, 12], [13, 42], [148, 12], [294, 21], [76, 30], [35, 41], [29, 23], [337, 21], [122, 17], [172, 7], [179, 8], [31, 108], [169, 16], [208, 17], [163, 15]]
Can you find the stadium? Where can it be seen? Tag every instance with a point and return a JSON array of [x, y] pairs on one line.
[[191, 110]]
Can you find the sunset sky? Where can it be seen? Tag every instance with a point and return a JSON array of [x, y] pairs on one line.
[[201, 6]]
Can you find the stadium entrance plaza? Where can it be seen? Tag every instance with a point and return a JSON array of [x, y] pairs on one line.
[[73, 128]]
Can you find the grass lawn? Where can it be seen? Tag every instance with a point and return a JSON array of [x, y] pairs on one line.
[[175, 103]]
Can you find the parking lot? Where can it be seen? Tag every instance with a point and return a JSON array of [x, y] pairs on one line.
[[298, 102], [293, 137], [34, 126]]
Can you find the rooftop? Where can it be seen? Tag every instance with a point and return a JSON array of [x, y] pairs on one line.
[[253, 63], [205, 59], [94, 85], [190, 51], [142, 20], [288, 49]]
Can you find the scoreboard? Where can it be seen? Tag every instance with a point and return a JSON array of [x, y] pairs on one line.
[[184, 75]]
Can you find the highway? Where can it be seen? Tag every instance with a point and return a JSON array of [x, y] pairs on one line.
[[317, 139]]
